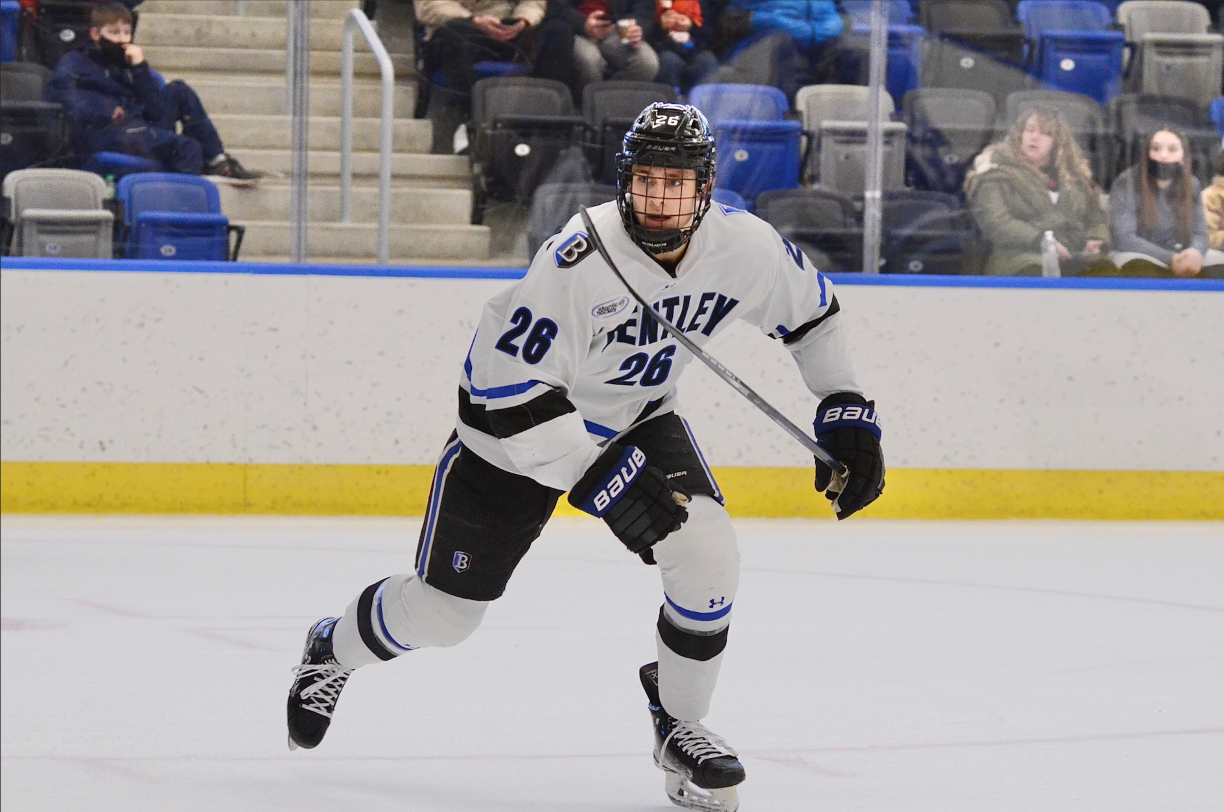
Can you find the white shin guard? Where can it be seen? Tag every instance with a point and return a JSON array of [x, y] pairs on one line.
[[399, 614], [699, 565]]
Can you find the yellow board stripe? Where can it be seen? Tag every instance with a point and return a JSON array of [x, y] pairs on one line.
[[402, 490]]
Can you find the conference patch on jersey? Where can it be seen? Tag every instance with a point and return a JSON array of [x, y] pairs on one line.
[[610, 308], [573, 250]]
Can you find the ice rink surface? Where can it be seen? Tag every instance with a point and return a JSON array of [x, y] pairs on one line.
[[951, 667]]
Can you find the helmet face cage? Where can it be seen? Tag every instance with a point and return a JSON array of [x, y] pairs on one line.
[[669, 137]]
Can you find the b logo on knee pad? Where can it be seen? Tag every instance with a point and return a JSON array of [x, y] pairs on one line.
[[461, 561]]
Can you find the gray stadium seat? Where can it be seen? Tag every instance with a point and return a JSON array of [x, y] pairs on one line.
[[555, 203], [845, 104], [1172, 53], [842, 149], [58, 213], [948, 127]]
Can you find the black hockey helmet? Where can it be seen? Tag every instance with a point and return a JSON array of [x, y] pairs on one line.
[[672, 136]]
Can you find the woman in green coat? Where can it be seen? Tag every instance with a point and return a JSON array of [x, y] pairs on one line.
[[1034, 181]]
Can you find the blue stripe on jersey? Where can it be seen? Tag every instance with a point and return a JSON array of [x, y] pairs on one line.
[[382, 623], [691, 615], [823, 294], [705, 467], [598, 430], [435, 500], [495, 392]]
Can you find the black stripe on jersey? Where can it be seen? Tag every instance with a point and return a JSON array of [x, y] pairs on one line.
[[365, 623], [473, 414], [791, 338], [689, 644], [517, 419]]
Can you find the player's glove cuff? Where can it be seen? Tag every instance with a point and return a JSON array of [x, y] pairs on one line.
[[634, 498], [848, 427]]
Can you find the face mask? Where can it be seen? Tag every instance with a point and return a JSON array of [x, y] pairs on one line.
[[112, 52], [1163, 171]]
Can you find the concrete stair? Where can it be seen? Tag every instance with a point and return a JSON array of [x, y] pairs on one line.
[[273, 132], [237, 66], [409, 205]]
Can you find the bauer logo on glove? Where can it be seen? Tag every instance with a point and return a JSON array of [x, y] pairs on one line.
[[627, 470]]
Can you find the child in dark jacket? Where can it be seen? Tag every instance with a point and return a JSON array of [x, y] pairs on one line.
[[115, 103]]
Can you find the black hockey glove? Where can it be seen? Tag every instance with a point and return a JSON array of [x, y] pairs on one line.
[[848, 427], [632, 497]]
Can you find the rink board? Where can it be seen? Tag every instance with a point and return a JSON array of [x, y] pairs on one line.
[[214, 388]]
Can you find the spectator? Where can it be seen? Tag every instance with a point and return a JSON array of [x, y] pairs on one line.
[[610, 39], [115, 104], [787, 44], [1213, 206], [1034, 181], [683, 37], [460, 33], [1156, 214]]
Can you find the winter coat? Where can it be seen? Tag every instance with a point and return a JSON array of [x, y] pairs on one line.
[[433, 14], [1213, 209], [1013, 210], [701, 36], [90, 88], [807, 22]]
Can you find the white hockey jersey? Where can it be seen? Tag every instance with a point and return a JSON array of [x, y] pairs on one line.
[[565, 359]]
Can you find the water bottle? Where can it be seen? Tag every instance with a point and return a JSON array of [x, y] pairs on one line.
[[1049, 255]]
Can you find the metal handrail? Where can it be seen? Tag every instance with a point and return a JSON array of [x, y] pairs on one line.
[[356, 19]]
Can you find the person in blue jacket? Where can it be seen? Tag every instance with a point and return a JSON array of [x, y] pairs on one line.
[[115, 103], [809, 31]]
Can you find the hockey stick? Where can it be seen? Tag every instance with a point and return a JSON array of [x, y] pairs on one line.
[[840, 472]]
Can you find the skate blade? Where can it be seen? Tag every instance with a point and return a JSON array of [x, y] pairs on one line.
[[684, 793], [292, 744]]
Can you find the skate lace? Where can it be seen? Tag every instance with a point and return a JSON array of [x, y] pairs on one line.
[[321, 696], [698, 742]]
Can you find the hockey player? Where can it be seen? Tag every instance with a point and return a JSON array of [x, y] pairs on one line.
[[569, 387]]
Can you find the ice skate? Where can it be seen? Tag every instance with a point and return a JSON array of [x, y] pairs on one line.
[[316, 687], [702, 770]]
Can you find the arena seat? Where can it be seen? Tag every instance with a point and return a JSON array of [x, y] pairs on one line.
[[821, 221], [58, 213], [1216, 111], [32, 131], [729, 198], [610, 108], [925, 232], [759, 149], [948, 127], [173, 216], [906, 44], [949, 63], [521, 124], [1172, 53], [1071, 46], [900, 12], [739, 101]]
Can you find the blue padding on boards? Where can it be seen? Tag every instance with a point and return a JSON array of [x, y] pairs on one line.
[[495, 272]]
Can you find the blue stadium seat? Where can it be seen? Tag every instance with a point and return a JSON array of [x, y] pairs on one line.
[[1070, 46], [172, 216], [1217, 114], [10, 22], [743, 102], [757, 156], [729, 198], [758, 148], [119, 164]]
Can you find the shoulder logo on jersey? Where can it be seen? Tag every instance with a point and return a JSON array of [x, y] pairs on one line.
[[573, 250], [730, 209], [610, 308]]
